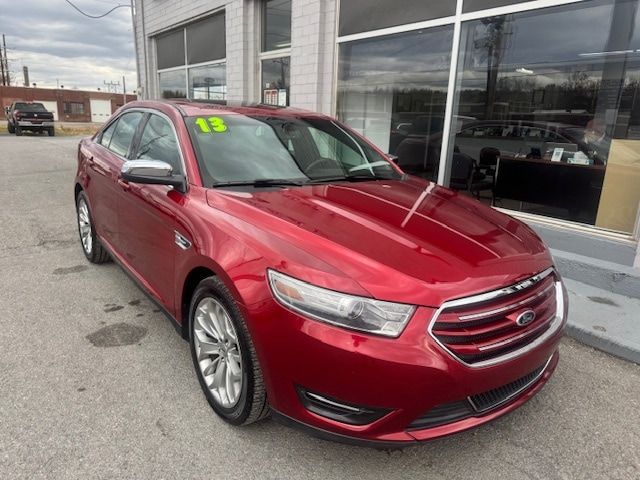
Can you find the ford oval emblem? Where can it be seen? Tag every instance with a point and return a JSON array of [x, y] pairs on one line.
[[525, 318]]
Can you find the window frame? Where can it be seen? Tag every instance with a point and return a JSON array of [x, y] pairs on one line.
[[70, 104], [186, 66], [263, 29], [270, 54]]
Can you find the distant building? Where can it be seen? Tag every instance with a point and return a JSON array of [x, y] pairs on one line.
[[67, 105]]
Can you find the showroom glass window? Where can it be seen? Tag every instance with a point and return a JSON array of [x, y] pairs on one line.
[[393, 90], [358, 16], [547, 112], [191, 60], [276, 51]]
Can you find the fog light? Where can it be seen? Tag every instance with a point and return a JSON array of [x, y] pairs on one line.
[[338, 410]]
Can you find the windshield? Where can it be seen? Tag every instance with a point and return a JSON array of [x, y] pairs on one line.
[[235, 148], [30, 107]]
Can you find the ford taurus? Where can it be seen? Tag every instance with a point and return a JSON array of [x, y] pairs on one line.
[[313, 279]]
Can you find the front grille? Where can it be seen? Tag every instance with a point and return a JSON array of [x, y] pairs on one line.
[[484, 329], [476, 405], [496, 397]]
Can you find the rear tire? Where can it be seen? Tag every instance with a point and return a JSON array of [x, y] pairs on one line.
[[223, 355], [91, 246], [18, 131], [51, 131]]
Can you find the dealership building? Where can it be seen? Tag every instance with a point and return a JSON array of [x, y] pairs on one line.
[[533, 107]]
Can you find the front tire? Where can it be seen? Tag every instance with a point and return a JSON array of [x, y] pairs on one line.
[[51, 131], [91, 246], [224, 356], [18, 131], [10, 128]]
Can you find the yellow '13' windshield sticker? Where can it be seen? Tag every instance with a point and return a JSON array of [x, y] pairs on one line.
[[211, 124]]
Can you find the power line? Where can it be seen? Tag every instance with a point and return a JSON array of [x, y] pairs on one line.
[[96, 16]]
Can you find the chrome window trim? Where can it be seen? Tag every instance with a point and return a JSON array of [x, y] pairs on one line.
[[554, 327], [475, 316], [513, 394]]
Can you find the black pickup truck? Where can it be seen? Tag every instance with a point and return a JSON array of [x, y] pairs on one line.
[[30, 116]]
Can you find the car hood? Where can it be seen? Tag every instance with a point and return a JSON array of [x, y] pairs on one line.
[[405, 241]]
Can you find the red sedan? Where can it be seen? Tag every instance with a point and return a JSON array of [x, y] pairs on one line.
[[313, 279]]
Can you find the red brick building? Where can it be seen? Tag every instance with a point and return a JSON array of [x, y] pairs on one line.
[[67, 105]]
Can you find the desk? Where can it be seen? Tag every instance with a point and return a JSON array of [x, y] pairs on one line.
[[573, 187]]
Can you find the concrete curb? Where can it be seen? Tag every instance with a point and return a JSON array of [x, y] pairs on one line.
[[608, 276], [602, 342], [604, 320]]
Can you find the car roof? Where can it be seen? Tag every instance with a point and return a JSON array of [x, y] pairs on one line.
[[191, 108]]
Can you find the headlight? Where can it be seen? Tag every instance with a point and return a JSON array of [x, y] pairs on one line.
[[349, 311]]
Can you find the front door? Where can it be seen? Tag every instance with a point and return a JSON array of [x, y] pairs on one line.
[[147, 214]]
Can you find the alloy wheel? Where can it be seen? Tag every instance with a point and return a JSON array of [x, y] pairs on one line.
[[218, 351], [84, 224]]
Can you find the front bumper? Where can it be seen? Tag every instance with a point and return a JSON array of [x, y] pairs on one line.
[[406, 376], [414, 437]]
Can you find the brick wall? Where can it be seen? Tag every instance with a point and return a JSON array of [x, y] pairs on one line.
[[8, 95]]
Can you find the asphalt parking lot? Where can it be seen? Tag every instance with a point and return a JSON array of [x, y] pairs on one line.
[[75, 405]]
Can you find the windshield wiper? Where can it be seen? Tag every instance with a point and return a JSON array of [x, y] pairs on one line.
[[261, 182], [347, 178]]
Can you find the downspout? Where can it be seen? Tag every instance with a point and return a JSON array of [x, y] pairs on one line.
[[145, 93], [134, 20]]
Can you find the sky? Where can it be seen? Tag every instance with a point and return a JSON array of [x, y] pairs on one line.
[[60, 46]]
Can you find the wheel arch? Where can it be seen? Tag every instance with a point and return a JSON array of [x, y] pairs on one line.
[[193, 278], [76, 190]]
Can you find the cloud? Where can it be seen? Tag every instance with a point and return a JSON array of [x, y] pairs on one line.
[[59, 45]]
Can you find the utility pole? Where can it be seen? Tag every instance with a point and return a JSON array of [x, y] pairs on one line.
[[6, 61], [2, 67], [124, 91]]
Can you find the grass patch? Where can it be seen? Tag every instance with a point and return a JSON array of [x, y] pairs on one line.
[[83, 130], [66, 130]]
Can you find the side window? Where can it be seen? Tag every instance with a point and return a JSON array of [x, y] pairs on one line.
[[107, 134], [158, 142], [124, 132]]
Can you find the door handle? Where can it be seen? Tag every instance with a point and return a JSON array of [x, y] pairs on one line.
[[124, 184], [90, 161]]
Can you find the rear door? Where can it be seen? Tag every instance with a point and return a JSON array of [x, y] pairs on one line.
[[148, 213], [104, 162]]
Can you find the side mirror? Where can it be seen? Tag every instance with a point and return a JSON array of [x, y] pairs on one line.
[[6, 110], [153, 172]]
